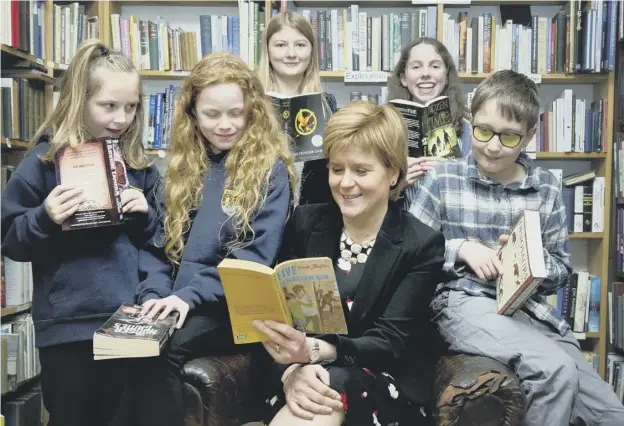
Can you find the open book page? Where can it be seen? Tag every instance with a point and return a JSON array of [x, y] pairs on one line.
[[523, 263], [312, 295], [252, 293]]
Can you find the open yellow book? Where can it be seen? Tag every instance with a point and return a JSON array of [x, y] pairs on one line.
[[302, 293]]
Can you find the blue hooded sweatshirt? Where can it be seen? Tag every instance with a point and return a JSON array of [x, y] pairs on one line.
[[197, 281], [79, 277]]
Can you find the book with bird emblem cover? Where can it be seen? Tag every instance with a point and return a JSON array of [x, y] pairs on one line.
[[304, 118]]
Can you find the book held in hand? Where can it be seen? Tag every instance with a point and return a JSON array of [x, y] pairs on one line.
[[430, 128], [98, 168], [524, 268], [128, 334], [304, 122], [302, 293]]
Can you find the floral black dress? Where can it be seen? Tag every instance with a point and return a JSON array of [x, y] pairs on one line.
[[369, 397]]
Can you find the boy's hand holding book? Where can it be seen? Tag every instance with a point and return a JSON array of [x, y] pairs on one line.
[[63, 202], [483, 261]]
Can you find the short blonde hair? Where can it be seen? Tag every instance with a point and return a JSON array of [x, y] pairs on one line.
[[379, 129]]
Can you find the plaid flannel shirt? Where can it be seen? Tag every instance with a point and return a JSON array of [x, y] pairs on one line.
[[456, 198]]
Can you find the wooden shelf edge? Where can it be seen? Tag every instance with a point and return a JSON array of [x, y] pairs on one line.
[[21, 384], [17, 309], [586, 235], [19, 54], [478, 77], [463, 77], [571, 155], [586, 335], [11, 143]]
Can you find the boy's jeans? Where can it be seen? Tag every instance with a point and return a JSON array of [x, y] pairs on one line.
[[561, 387]]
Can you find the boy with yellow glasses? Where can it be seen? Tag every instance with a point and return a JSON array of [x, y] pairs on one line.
[[475, 202]]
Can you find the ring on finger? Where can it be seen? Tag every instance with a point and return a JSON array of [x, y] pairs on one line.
[[277, 348]]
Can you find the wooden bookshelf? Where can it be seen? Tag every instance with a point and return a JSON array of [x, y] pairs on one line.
[[571, 155], [14, 310], [10, 143], [16, 53], [477, 78]]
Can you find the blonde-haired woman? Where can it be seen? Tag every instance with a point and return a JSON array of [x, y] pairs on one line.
[[289, 65], [227, 194], [81, 277], [387, 265]]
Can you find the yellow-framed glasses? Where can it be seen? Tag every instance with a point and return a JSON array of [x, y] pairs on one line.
[[509, 140]]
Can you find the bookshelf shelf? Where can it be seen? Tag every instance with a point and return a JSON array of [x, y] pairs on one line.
[[194, 3], [21, 385], [15, 53], [164, 75], [13, 310], [477, 78], [10, 143], [36, 76], [159, 152], [586, 235], [571, 155], [587, 335], [546, 78]]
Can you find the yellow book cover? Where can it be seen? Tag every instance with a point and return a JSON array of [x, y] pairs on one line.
[[302, 293]]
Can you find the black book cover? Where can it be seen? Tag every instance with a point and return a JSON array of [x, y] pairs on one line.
[[304, 122], [431, 132]]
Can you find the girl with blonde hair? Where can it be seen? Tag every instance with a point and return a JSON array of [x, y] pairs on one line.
[[227, 195], [81, 277], [289, 65]]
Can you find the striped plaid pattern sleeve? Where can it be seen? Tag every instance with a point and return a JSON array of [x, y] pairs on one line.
[[555, 243]]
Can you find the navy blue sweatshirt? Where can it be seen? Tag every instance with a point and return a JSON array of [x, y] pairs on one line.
[[79, 277], [197, 281]]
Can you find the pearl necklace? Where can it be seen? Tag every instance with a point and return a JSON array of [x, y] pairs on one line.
[[352, 252]]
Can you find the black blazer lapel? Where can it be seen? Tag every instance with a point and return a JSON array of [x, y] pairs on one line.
[[379, 265]]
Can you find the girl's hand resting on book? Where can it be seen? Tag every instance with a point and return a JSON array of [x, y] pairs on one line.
[[133, 201], [171, 303], [482, 260], [63, 202], [287, 345], [418, 167], [307, 392]]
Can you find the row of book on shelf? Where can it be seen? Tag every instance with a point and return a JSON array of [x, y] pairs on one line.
[[23, 107], [578, 38], [24, 27]]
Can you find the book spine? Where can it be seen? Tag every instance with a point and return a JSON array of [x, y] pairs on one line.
[[109, 145]]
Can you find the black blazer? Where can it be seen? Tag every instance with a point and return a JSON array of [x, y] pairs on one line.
[[389, 323]]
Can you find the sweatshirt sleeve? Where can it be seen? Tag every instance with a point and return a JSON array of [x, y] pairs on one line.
[[268, 227], [26, 227]]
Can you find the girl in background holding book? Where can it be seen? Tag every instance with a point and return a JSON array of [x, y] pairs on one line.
[[228, 193], [425, 71], [81, 277], [289, 65]]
